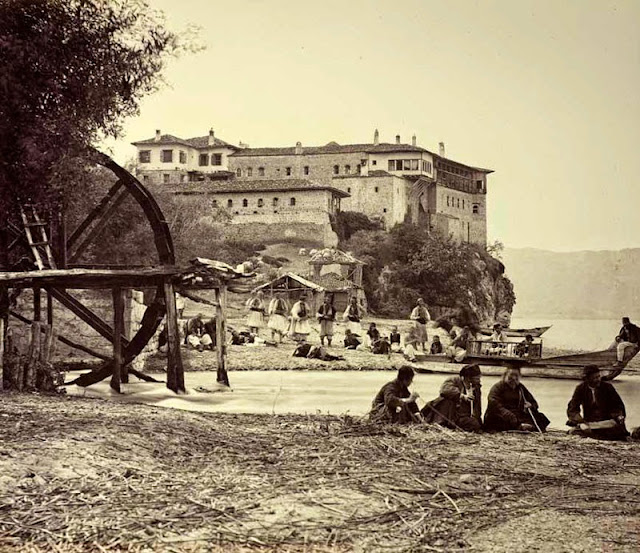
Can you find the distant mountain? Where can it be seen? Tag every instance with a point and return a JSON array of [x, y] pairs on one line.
[[575, 285]]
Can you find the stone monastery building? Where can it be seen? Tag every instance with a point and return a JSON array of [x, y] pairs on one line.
[[294, 191]]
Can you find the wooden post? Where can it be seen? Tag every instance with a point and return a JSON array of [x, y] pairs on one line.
[[37, 304], [31, 366], [221, 335], [49, 308], [118, 328], [1, 354], [175, 370]]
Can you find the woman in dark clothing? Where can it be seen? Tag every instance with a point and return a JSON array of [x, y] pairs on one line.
[[603, 412], [512, 407]]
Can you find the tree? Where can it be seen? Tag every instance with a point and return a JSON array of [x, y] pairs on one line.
[[71, 71], [347, 223]]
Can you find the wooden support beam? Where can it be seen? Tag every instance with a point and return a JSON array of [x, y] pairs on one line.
[[118, 325], [49, 308], [37, 304], [99, 226], [221, 342], [2, 327], [175, 370], [86, 314]]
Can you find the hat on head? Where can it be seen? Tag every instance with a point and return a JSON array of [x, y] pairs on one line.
[[470, 370], [589, 370], [496, 326]]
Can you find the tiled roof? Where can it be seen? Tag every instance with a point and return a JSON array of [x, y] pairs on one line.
[[331, 148], [249, 185], [197, 142]]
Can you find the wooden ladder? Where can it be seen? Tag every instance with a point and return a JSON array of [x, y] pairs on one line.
[[37, 238]]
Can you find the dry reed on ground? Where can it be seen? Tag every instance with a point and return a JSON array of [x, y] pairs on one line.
[[82, 475]]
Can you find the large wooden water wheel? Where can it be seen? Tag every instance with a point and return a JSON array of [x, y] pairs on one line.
[[44, 246]]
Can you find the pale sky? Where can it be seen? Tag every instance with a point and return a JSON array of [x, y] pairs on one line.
[[546, 93]]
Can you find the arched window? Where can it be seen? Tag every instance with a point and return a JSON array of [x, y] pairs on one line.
[[275, 202], [229, 203], [261, 171], [260, 202], [476, 209], [336, 169], [347, 169], [292, 201], [249, 171], [238, 172], [245, 203], [447, 201]]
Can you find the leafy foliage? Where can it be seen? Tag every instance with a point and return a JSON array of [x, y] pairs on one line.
[[347, 223], [71, 71], [410, 262]]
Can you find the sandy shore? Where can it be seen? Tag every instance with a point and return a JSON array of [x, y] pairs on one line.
[[90, 475]]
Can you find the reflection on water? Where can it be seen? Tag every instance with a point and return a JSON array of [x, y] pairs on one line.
[[352, 392]]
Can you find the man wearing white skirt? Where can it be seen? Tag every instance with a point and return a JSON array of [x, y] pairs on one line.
[[255, 320], [278, 322], [326, 316], [352, 316], [420, 316], [300, 327]]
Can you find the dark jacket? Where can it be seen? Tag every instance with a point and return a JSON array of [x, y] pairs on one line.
[[387, 401], [630, 333], [505, 409], [606, 404]]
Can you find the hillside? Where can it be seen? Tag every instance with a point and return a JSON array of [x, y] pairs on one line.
[[575, 285]]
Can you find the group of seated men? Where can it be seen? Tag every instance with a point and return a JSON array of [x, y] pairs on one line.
[[595, 409]]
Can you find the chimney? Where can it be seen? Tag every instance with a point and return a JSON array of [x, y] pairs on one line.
[[157, 138], [441, 146], [212, 138], [243, 145], [298, 148], [397, 139], [413, 140], [376, 137]]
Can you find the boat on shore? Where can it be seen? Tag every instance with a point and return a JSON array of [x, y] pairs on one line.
[[494, 357], [535, 332]]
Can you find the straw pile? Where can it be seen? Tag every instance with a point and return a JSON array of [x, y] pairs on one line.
[[87, 475]]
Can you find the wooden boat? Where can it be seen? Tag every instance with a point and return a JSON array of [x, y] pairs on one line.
[[535, 332], [494, 357]]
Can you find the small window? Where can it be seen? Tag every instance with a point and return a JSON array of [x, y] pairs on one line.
[[238, 172], [230, 204], [414, 164], [288, 171], [458, 203], [214, 203], [374, 162], [245, 203], [249, 171], [275, 202], [384, 210], [336, 169], [255, 212], [292, 201], [144, 156], [166, 179], [476, 209], [392, 165], [447, 201], [349, 190], [377, 189], [463, 204], [261, 171], [145, 179], [260, 202], [216, 159], [236, 213], [407, 165], [306, 169], [347, 169], [166, 156], [479, 185], [358, 169], [183, 157], [203, 160]]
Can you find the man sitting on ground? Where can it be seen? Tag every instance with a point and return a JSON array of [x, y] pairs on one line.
[[350, 340], [197, 336], [523, 349], [411, 342], [394, 339], [458, 405], [394, 402], [436, 346], [603, 412], [628, 340], [373, 335], [381, 346]]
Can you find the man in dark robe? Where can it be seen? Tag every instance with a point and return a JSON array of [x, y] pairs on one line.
[[458, 405], [628, 342], [394, 402], [603, 412], [350, 340], [512, 407]]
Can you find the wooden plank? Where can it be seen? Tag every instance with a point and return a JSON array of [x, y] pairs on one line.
[[221, 332], [118, 325], [96, 212], [49, 308], [37, 304], [88, 316], [175, 370], [31, 367], [2, 327], [98, 227], [64, 340]]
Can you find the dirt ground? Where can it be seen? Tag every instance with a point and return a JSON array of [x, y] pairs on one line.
[[91, 475]]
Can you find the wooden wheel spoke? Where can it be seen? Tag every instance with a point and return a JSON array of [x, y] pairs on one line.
[[101, 216], [88, 316]]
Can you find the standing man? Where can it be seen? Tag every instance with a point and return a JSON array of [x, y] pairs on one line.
[[603, 412], [326, 316], [300, 327], [352, 316], [628, 340], [421, 316]]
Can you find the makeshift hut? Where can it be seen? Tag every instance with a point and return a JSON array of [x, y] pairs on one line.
[[350, 268]]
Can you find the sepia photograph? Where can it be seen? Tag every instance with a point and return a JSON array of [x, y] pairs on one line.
[[286, 276]]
